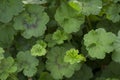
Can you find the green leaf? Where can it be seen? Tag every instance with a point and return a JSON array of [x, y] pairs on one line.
[[45, 76], [59, 36], [113, 12], [91, 6], [32, 22], [49, 40], [56, 65], [27, 63], [38, 50], [109, 26], [116, 53], [101, 78], [116, 1], [75, 5], [73, 57], [1, 53], [7, 33], [111, 71], [9, 8], [7, 67], [85, 73], [99, 42], [68, 18], [34, 1]]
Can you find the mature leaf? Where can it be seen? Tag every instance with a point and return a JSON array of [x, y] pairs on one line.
[[116, 54], [6, 35], [111, 71], [85, 73], [45, 76], [91, 6], [7, 67], [56, 65], [28, 65], [9, 8], [109, 26], [68, 18], [113, 12], [49, 40], [32, 22], [99, 42]]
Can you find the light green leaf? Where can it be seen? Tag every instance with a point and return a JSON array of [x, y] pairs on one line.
[[73, 57], [59, 36], [38, 50], [75, 5]]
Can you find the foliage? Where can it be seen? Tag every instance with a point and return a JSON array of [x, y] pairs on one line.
[[59, 39], [98, 42], [73, 57]]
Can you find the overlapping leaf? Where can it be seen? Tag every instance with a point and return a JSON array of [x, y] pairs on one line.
[[6, 35], [9, 8], [113, 12], [116, 53], [7, 67], [32, 22], [27, 63], [68, 18], [56, 65]]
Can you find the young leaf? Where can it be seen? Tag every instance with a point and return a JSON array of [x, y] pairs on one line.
[[38, 50], [73, 57], [59, 36]]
